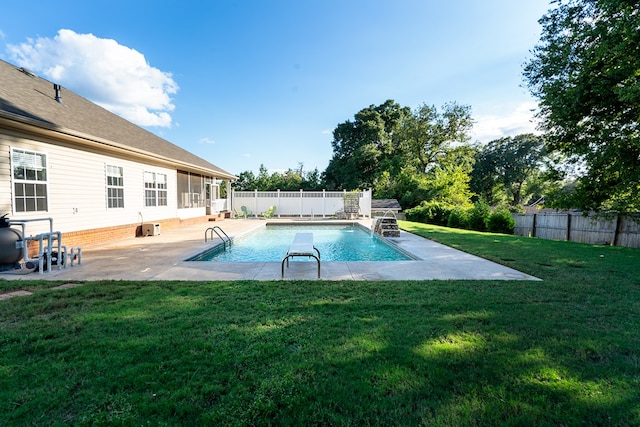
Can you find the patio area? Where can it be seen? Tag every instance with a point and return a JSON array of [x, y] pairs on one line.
[[162, 257]]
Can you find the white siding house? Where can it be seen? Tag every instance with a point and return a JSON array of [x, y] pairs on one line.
[[97, 175]]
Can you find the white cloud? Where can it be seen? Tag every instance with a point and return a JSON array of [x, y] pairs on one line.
[[518, 120], [110, 74], [206, 140]]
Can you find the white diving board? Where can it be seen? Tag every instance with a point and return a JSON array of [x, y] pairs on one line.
[[302, 245]]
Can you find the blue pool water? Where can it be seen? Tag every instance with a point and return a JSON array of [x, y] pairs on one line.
[[335, 243]]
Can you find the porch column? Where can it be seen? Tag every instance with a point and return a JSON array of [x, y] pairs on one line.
[[229, 195]]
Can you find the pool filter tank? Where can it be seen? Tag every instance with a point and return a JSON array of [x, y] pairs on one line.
[[10, 243]]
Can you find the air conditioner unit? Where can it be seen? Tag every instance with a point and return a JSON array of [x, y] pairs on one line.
[[150, 229]]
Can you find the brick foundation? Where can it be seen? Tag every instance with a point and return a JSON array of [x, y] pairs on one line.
[[95, 236]]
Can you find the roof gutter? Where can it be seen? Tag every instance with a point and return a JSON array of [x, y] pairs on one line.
[[35, 127]]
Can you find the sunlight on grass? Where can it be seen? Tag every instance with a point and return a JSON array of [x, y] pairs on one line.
[[274, 325], [370, 319], [533, 356], [412, 226], [182, 301], [358, 348], [365, 345], [330, 301], [450, 344], [561, 352], [559, 381], [550, 375]]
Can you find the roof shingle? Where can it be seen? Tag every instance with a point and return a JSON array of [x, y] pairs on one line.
[[31, 99]]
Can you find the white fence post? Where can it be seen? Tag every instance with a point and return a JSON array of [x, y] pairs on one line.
[[324, 203], [301, 194], [278, 202], [255, 203]]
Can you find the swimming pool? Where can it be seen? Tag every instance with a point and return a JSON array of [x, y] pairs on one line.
[[350, 242]]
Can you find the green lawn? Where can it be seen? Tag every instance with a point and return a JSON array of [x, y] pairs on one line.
[[564, 351]]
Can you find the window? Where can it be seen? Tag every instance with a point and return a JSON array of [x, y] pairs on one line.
[[29, 181], [155, 189], [115, 187], [161, 183]]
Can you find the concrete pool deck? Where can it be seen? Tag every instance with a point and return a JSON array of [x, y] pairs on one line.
[[163, 257]]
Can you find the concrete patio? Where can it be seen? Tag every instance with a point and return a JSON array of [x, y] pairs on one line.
[[163, 257]]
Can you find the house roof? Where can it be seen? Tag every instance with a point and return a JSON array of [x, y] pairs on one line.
[[27, 99], [387, 204]]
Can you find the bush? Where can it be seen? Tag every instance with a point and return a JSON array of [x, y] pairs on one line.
[[479, 215], [430, 212], [458, 218], [501, 221]]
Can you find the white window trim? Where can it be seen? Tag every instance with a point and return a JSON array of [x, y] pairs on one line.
[[155, 189], [107, 170], [15, 181]]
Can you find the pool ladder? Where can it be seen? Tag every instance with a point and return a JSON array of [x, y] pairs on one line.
[[225, 239]]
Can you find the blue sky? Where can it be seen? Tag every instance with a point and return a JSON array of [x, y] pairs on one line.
[[244, 83]]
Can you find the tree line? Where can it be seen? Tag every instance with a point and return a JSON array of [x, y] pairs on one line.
[[421, 155], [584, 73]]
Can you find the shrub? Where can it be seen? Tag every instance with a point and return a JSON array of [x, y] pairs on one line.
[[501, 221], [430, 212], [458, 218], [479, 215]]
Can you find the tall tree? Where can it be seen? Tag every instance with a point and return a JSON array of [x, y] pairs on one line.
[[586, 74], [428, 135], [246, 181], [509, 168], [363, 146]]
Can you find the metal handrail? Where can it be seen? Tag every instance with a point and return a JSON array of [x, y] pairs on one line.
[[215, 230], [375, 227], [391, 212]]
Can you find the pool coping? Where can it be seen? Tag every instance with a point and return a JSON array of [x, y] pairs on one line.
[[387, 241], [163, 258]]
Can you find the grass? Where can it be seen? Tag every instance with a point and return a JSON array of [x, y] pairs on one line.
[[564, 351]]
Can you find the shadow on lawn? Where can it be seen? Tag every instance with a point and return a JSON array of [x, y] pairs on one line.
[[317, 353]]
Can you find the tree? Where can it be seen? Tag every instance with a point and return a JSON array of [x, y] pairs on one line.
[[428, 135], [585, 73], [451, 185], [409, 156], [407, 186], [312, 180], [290, 180], [264, 181], [246, 181], [435, 159], [362, 147], [510, 169]]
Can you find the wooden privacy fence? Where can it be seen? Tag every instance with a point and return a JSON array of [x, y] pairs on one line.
[[304, 203], [618, 230]]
